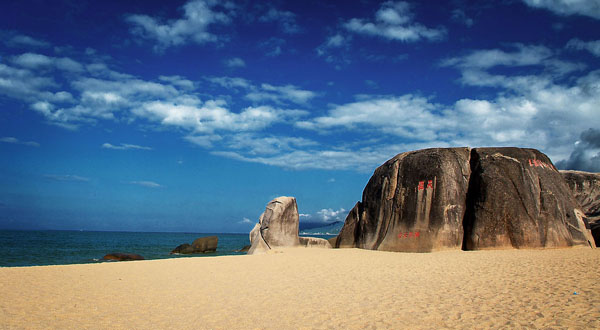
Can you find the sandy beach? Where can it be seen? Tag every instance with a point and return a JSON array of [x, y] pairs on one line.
[[312, 288]]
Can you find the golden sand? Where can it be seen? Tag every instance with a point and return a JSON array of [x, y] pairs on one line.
[[313, 288]]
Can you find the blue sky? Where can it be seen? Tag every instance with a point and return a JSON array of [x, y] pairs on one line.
[[192, 115]]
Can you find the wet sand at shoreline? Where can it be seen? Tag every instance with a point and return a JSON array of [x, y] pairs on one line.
[[312, 288]]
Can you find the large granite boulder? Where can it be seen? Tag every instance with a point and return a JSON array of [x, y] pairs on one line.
[[414, 202], [122, 256], [585, 186], [200, 245], [518, 199], [458, 198], [276, 227]]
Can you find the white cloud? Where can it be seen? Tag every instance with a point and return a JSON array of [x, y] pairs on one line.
[[34, 61], [591, 46], [394, 21], [13, 140], [484, 59], [198, 16], [266, 92], [408, 116], [459, 15], [147, 184], [235, 62], [124, 146], [21, 40], [590, 8], [178, 82], [67, 177], [327, 215], [266, 145], [286, 19], [279, 94], [245, 221]]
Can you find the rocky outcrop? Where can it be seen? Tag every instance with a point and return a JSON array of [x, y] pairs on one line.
[[461, 198], [276, 227], [585, 186], [414, 202], [311, 242], [122, 256], [200, 245], [518, 199]]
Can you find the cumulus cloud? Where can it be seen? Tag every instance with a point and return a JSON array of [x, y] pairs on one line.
[[147, 184], [124, 146], [21, 40], [590, 8], [235, 62], [13, 140], [591, 46], [193, 27], [280, 94], [586, 153], [286, 19], [34, 61], [394, 21]]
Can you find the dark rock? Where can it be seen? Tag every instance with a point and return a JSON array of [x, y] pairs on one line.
[[585, 186], [436, 199], [245, 248], [517, 199], [414, 202], [122, 256], [183, 249], [200, 245], [205, 244], [332, 241], [277, 226]]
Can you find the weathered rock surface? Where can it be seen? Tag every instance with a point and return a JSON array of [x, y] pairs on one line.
[[276, 227], [414, 202], [205, 244], [518, 199], [585, 186], [122, 256], [314, 242], [461, 198], [200, 245], [183, 249]]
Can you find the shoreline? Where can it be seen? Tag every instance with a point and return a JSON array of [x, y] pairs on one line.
[[312, 288]]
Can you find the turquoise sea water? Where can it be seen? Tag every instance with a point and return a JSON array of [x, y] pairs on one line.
[[48, 247]]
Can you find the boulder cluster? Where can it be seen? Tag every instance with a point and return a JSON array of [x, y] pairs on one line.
[[200, 245], [470, 199], [278, 227]]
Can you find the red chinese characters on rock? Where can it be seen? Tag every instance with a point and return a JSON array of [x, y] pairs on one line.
[[409, 235], [539, 163], [422, 185]]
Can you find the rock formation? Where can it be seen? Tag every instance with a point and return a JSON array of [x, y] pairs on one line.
[[314, 242], [518, 199], [278, 227], [461, 198], [122, 256], [200, 245], [585, 186], [414, 202]]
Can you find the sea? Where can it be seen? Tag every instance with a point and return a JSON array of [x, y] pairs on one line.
[[20, 248]]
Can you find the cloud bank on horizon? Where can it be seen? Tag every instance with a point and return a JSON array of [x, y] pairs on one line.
[[311, 86]]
